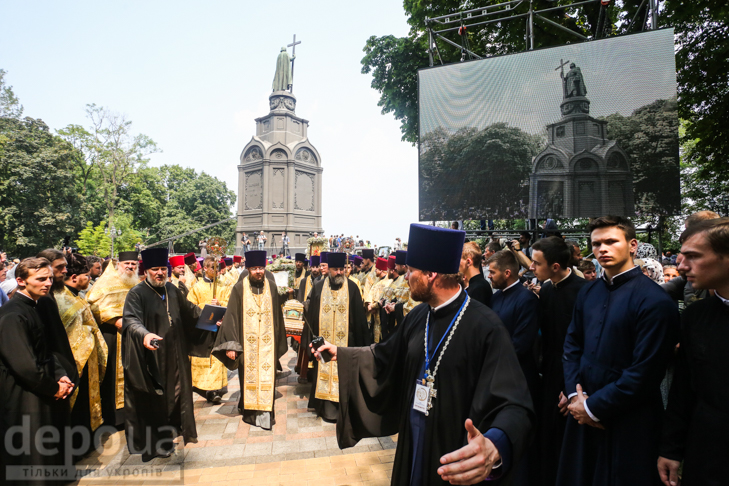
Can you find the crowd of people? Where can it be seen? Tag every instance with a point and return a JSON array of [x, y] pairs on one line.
[[515, 361]]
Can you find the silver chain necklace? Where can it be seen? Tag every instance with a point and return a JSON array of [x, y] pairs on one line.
[[429, 381]]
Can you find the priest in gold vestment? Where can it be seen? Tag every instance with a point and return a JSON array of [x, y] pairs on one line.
[[335, 312], [252, 339], [107, 298], [88, 346], [373, 300], [399, 303], [209, 377]]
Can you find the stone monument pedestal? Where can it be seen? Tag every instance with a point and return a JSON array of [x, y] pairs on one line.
[[279, 179]]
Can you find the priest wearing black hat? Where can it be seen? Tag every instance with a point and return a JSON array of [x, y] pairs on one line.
[[394, 312], [449, 365], [252, 339], [368, 276], [335, 312], [301, 271], [158, 332]]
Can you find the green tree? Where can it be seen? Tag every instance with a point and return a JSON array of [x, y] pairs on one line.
[[92, 240], [463, 174], [9, 104], [38, 200], [702, 62], [114, 152], [650, 137], [394, 62]]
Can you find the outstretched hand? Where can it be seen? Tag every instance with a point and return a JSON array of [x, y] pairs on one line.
[[471, 463], [327, 346]]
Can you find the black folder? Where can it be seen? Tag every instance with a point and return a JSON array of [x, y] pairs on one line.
[[209, 317]]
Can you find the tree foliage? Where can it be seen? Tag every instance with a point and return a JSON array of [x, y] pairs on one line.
[[39, 205], [476, 172], [650, 137], [84, 180]]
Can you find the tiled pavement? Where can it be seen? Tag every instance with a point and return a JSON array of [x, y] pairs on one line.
[[300, 449]]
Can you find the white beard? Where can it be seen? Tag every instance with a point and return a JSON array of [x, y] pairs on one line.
[[129, 280]]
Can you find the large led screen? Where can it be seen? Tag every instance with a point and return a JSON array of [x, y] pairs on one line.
[[577, 131]]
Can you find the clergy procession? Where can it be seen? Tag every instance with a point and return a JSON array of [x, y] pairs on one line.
[[516, 368]]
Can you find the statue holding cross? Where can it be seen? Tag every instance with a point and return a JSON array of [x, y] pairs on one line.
[[284, 78], [573, 84]]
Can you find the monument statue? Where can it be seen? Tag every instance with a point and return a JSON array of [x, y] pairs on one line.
[[283, 78], [574, 83]]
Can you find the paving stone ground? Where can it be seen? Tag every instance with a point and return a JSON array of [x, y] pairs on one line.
[[301, 449]]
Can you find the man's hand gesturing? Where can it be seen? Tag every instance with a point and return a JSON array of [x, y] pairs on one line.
[[472, 463]]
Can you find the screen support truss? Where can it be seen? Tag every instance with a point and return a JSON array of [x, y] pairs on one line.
[[503, 12]]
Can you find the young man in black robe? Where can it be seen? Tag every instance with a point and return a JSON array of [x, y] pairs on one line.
[[557, 297], [254, 307], [335, 312], [33, 385], [476, 285], [696, 426], [47, 309], [470, 367], [517, 307], [157, 377], [623, 330]]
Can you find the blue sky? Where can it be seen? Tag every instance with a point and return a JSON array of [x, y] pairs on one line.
[[194, 75]]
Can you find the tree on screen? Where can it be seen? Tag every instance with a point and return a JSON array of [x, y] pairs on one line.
[[477, 171]]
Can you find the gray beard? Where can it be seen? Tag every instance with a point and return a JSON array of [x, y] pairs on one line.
[[338, 280], [154, 283]]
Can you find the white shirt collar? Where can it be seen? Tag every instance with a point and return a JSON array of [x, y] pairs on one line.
[[723, 300], [569, 272], [510, 286], [455, 296]]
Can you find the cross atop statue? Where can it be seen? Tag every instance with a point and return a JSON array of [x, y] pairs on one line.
[[573, 84], [293, 58], [284, 78]]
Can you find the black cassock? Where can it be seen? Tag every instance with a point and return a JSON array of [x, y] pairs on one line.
[[556, 304], [229, 338], [479, 378], [29, 374], [158, 384], [696, 427], [359, 335]]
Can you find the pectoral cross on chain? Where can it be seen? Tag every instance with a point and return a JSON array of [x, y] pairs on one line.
[[432, 392]]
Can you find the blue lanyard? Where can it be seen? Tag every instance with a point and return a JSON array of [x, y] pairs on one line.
[[428, 359]]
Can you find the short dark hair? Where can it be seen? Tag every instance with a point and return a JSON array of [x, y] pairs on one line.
[[493, 246], [555, 250], [32, 263], [207, 260], [77, 265], [717, 234], [586, 266], [51, 254], [504, 260], [613, 221], [92, 260]]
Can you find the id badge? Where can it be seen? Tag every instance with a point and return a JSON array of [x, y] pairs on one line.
[[420, 403]]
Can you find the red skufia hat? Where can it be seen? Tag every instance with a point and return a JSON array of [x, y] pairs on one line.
[[176, 261], [381, 264], [237, 259], [190, 259], [391, 262]]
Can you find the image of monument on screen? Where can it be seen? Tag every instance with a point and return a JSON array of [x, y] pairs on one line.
[[575, 131]]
